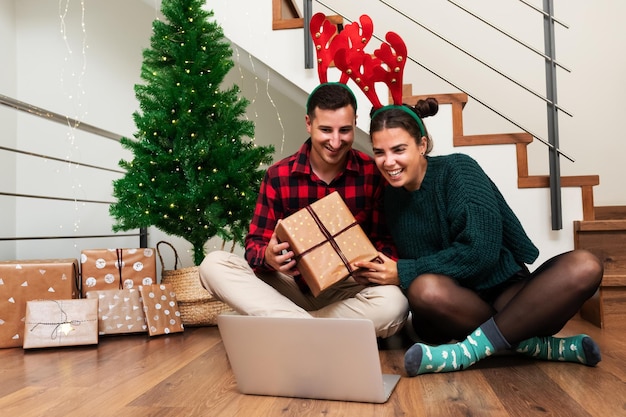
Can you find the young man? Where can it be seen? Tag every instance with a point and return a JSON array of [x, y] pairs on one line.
[[267, 281]]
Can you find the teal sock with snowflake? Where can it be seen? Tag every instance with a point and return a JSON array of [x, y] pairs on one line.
[[580, 348], [481, 343]]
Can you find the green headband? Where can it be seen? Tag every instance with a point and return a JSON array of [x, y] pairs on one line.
[[406, 110], [331, 83]]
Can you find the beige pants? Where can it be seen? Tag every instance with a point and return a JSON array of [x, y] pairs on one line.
[[230, 279]]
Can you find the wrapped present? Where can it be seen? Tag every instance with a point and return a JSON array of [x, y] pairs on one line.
[[161, 309], [111, 269], [119, 311], [24, 280], [54, 323], [326, 240]]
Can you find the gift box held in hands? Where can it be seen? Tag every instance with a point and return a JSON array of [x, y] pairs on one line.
[[25, 280], [109, 269], [326, 240], [54, 323]]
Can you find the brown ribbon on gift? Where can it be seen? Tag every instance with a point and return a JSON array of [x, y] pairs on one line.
[[330, 239], [118, 253], [56, 325]]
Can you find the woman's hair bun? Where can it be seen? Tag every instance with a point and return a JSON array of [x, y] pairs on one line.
[[426, 108]]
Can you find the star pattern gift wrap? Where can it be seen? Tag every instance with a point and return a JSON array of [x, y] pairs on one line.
[[21, 281], [326, 240], [54, 323], [119, 311], [161, 309], [111, 269]]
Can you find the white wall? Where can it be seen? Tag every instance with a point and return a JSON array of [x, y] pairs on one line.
[[591, 92], [96, 86], [91, 78], [8, 132], [81, 63]]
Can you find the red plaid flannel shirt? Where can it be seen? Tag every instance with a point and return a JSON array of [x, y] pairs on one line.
[[290, 185]]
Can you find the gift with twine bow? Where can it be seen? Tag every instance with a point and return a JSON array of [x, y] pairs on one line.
[[54, 323]]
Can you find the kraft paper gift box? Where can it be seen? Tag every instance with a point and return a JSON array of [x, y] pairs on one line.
[[55, 323], [161, 309], [326, 240], [110, 269], [24, 280], [119, 311]]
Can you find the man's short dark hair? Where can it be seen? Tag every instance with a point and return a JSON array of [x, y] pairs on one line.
[[330, 96]]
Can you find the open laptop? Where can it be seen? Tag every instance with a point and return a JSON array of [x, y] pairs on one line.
[[319, 358]]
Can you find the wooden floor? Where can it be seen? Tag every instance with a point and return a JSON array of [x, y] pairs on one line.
[[189, 375]]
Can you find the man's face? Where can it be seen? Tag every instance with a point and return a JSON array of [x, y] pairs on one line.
[[332, 135]]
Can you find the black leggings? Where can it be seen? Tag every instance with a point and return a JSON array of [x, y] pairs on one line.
[[529, 304]]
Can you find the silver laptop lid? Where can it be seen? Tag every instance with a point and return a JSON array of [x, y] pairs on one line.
[[321, 358]]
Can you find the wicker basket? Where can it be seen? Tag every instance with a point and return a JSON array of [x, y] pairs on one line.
[[196, 305]]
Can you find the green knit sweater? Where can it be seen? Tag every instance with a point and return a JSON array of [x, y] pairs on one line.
[[457, 224]]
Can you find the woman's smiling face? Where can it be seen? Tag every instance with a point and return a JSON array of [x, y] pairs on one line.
[[399, 158]]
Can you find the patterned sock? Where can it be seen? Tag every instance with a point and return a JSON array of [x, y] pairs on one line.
[[580, 348], [482, 342]]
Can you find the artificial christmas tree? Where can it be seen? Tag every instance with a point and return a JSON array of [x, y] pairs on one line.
[[196, 169]]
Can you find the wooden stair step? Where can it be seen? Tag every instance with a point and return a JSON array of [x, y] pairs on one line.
[[493, 139], [543, 181], [601, 225], [607, 240], [610, 213], [617, 280], [453, 98]]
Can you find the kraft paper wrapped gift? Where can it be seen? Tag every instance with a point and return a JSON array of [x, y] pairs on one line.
[[24, 280], [55, 323], [110, 269], [161, 309], [326, 240], [119, 311]]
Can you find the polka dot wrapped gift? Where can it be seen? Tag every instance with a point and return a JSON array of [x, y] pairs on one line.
[[161, 309], [112, 269]]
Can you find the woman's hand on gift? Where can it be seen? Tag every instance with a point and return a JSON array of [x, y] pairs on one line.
[[382, 271], [279, 256]]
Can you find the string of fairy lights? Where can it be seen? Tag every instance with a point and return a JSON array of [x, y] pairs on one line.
[[72, 81], [75, 70], [268, 94]]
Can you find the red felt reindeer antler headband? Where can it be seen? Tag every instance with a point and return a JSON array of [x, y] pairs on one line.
[[346, 49]]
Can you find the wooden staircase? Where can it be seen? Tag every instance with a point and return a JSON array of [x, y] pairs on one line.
[[605, 236], [601, 231]]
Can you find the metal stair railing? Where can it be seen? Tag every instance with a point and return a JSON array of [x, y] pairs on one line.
[[550, 98], [76, 124]]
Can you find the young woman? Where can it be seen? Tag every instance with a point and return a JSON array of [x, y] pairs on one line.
[[463, 256]]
